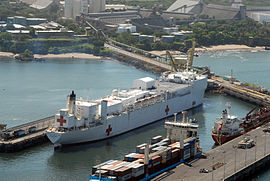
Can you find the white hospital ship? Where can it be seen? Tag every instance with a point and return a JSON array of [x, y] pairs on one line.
[[147, 101]]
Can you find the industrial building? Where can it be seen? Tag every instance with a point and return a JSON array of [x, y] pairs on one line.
[[62, 33], [126, 27], [97, 6], [25, 21], [261, 17], [74, 8]]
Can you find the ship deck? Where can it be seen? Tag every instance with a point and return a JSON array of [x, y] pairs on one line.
[[169, 86]]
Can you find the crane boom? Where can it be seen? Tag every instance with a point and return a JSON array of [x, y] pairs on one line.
[[191, 54], [168, 55]]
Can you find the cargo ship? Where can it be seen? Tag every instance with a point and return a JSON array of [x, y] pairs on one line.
[[226, 127], [181, 144], [147, 101]]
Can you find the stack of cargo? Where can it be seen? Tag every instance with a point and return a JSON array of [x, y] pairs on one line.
[[118, 170], [161, 155]]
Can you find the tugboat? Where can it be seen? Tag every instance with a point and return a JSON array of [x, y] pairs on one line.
[[226, 128]]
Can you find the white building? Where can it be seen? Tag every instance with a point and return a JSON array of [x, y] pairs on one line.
[[77, 8], [96, 6], [84, 6], [68, 8], [170, 30], [126, 27], [74, 8], [261, 17]]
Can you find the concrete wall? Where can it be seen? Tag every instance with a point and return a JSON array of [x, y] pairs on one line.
[[249, 171]]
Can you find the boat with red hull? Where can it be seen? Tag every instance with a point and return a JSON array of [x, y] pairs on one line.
[[229, 127], [226, 128]]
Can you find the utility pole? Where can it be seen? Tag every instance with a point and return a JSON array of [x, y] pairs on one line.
[[224, 165], [235, 149], [245, 154], [264, 143], [255, 147], [213, 168]]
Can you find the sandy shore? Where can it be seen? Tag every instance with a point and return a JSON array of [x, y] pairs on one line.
[[70, 55], [229, 47], [58, 56], [216, 48], [6, 55]]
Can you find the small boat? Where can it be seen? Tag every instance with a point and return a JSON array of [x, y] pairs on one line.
[[226, 128]]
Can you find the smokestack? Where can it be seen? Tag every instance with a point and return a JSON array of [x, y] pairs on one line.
[[71, 103]]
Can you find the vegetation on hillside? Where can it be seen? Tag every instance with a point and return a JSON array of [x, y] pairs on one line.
[[245, 2], [15, 8], [144, 3], [17, 44], [246, 32], [146, 44]]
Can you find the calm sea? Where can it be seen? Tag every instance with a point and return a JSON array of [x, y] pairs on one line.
[[34, 90]]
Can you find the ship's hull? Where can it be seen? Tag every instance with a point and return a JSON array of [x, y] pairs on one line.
[[221, 139], [125, 122]]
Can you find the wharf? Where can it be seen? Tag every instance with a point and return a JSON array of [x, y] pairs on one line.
[[140, 61], [26, 135], [239, 90], [230, 162]]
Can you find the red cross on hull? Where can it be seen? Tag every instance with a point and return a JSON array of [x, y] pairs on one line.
[[61, 121], [108, 130], [167, 110]]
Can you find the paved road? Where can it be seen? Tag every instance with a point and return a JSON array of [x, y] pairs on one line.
[[40, 124], [138, 57], [215, 156]]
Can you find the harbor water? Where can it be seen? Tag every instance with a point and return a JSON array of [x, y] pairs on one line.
[[33, 90]]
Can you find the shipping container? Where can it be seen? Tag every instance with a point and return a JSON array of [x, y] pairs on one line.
[[19, 133], [32, 129], [131, 157], [156, 139]]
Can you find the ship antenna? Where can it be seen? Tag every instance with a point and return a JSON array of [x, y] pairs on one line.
[[228, 105], [187, 66], [88, 94], [184, 116]]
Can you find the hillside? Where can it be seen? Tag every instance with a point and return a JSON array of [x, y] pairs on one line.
[[144, 3], [245, 2]]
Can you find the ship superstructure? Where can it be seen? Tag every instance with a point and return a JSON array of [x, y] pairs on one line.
[[147, 101], [226, 127]]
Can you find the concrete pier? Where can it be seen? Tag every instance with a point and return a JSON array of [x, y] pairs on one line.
[[226, 162], [239, 90], [26, 135]]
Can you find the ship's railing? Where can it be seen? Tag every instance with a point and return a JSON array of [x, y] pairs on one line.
[[144, 103]]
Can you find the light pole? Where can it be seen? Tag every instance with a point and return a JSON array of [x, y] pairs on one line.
[[245, 154], [213, 168], [224, 165], [235, 148], [255, 147], [264, 143]]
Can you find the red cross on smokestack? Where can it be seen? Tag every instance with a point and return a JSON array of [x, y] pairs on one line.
[[61, 120]]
